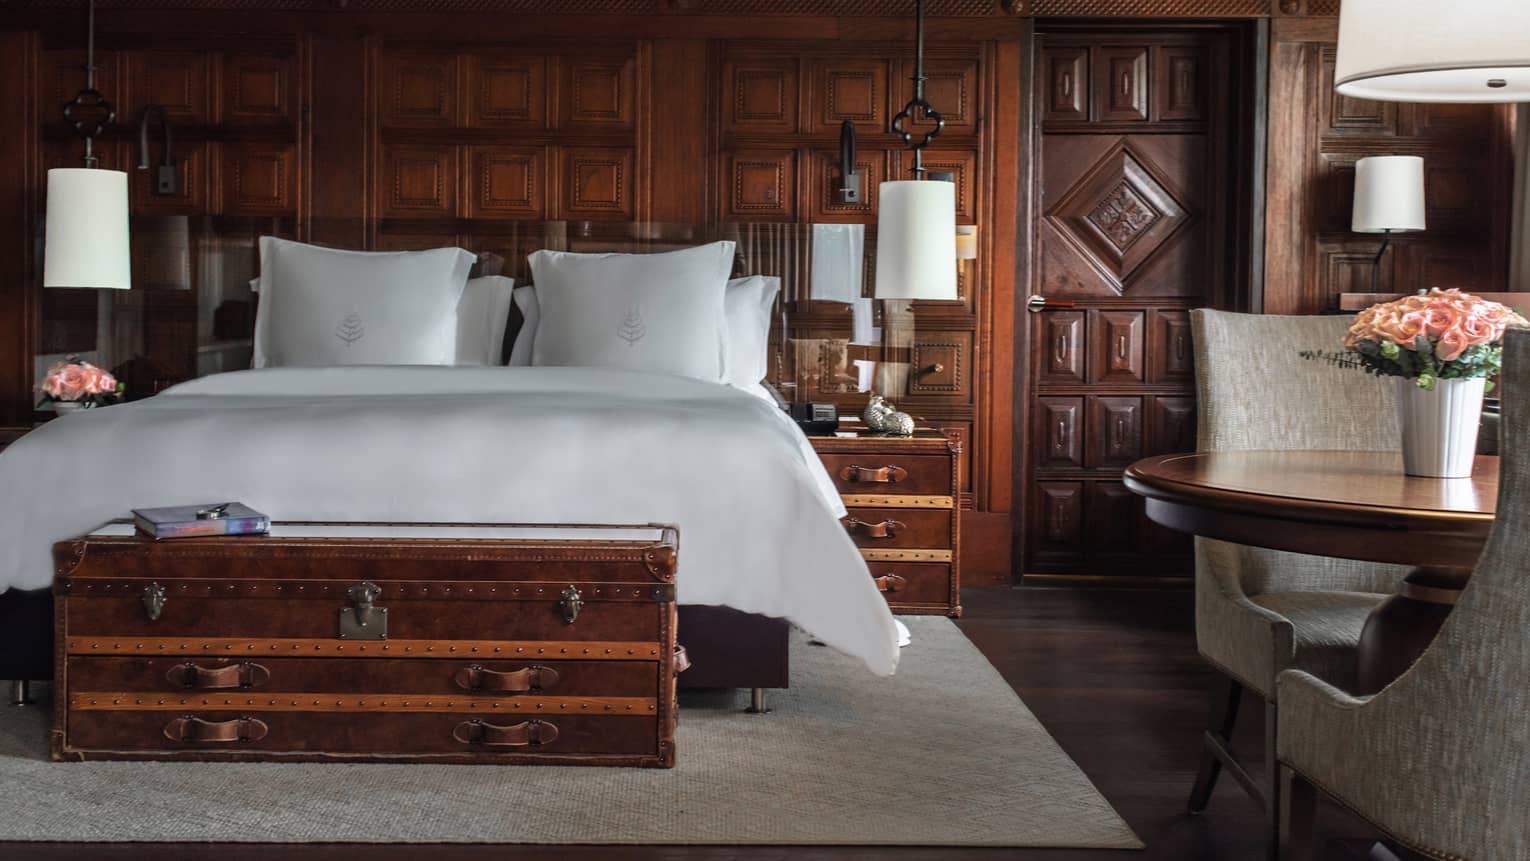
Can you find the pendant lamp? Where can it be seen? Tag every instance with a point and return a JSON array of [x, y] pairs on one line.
[[1433, 51]]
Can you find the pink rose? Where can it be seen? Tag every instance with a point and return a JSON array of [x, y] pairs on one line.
[[71, 383]]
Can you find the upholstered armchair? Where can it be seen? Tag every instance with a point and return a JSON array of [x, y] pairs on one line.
[[1439, 759], [1258, 611]]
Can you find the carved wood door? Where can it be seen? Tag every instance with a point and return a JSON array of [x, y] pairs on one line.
[[1134, 225]]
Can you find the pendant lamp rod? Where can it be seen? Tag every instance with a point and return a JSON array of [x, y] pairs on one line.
[[90, 98], [900, 122]]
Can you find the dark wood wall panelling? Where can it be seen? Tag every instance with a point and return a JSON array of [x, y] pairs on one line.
[[1317, 135]]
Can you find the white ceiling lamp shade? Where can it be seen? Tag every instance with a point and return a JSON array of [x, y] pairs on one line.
[[85, 242], [1389, 194], [916, 240], [1434, 51]]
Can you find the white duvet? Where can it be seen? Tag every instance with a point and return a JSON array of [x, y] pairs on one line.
[[756, 511]]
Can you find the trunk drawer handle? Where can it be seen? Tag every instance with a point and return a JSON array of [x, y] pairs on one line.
[[890, 583], [682, 660], [200, 678], [532, 733], [885, 529], [191, 728], [476, 678], [866, 475]]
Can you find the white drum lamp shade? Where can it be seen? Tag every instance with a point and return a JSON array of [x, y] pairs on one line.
[[916, 240], [1389, 194], [86, 234], [1434, 51]]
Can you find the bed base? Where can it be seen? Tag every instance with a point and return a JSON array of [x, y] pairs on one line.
[[728, 648]]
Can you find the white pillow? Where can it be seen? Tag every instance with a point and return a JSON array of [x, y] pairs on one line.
[[647, 312], [324, 307], [531, 313], [747, 305], [482, 315]]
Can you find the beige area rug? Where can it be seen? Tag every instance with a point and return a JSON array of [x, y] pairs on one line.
[[943, 753]]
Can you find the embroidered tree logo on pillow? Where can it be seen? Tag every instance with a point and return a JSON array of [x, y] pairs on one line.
[[351, 329], [633, 328]]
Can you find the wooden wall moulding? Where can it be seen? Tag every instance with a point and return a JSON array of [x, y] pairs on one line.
[[853, 90], [259, 179], [258, 90], [761, 186], [507, 90], [599, 93], [419, 89], [824, 198], [417, 181], [599, 184], [175, 80], [506, 182], [761, 95]]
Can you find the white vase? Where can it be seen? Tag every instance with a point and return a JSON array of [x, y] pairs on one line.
[[1439, 426], [64, 408]]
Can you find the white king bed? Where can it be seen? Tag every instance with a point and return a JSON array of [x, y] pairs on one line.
[[629, 401]]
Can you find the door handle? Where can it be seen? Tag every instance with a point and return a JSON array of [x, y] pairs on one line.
[[1038, 303]]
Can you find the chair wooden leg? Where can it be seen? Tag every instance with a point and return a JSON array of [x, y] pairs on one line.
[[1224, 715], [1272, 781], [1298, 807]]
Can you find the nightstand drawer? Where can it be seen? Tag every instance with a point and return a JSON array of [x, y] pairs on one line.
[[913, 583], [899, 527], [889, 473]]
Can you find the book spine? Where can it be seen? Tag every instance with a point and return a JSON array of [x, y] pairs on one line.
[[205, 528]]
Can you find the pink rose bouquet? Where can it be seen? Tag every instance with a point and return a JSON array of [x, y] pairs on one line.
[[75, 381], [1434, 335]]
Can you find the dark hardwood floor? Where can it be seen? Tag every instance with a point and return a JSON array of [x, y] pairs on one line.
[[1112, 673]]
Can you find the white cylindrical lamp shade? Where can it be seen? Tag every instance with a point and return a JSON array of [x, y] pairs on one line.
[[85, 243], [1434, 51], [916, 240], [1389, 194]]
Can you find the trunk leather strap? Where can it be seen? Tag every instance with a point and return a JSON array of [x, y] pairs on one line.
[[200, 678], [890, 583], [193, 729], [867, 475], [532, 733], [476, 678], [885, 529]]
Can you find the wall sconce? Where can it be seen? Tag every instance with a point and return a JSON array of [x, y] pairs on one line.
[[165, 182], [966, 242], [1389, 198], [851, 183]]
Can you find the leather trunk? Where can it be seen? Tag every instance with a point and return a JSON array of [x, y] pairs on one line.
[[441, 643]]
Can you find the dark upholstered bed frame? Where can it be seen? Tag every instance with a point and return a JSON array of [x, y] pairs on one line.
[[727, 648]]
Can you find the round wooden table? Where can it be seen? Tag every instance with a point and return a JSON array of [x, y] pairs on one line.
[[1352, 505]]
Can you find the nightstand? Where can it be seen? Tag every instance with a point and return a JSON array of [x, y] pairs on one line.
[[902, 495]]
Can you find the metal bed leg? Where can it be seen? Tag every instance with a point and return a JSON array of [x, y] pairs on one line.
[[21, 692], [757, 702]]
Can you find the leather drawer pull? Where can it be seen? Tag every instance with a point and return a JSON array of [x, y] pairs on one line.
[[885, 529], [476, 678], [867, 475], [532, 733], [199, 678], [682, 660], [890, 583], [193, 728]]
